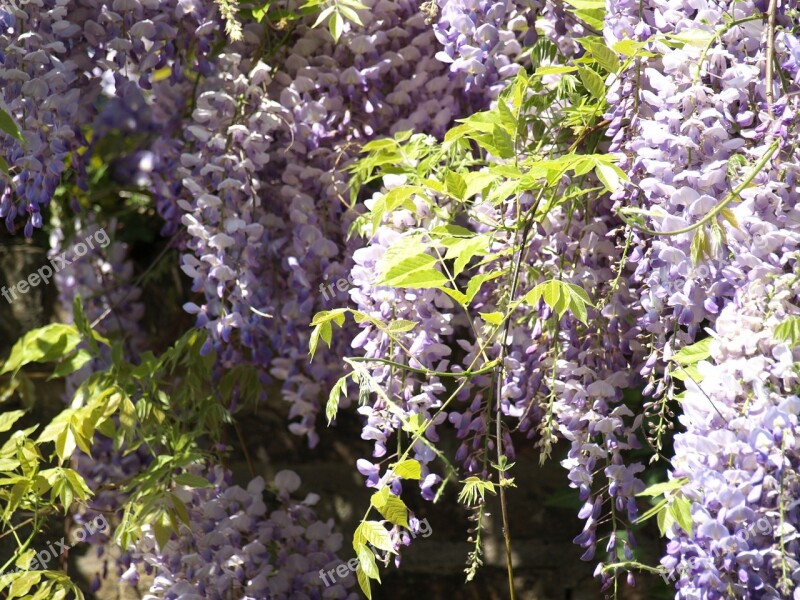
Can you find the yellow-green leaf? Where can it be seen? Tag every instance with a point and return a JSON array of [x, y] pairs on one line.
[[391, 507], [376, 534], [408, 469], [363, 582], [7, 419], [592, 82], [366, 561]]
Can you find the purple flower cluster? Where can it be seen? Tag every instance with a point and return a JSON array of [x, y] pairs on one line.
[[235, 548], [264, 196], [740, 455], [698, 127], [690, 124], [483, 39], [61, 62]]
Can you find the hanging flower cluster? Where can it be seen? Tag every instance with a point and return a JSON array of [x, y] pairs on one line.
[[235, 547]]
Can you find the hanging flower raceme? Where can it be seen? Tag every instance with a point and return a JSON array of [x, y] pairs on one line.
[[235, 547], [738, 458], [61, 62]]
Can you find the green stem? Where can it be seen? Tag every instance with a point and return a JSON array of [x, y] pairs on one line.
[[718, 208], [485, 369]]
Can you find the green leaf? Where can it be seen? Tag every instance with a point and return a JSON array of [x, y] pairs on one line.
[[457, 133], [554, 70], [366, 561], [473, 488], [417, 272], [477, 181], [336, 315], [162, 530], [324, 14], [391, 507], [628, 47], [659, 489], [464, 250], [408, 246], [560, 296], [78, 484], [180, 509], [690, 372], [339, 389], [260, 13], [502, 142], [408, 469], [700, 246], [23, 583], [413, 424], [45, 344], [665, 519], [456, 186], [587, 4], [71, 364], [694, 36], [475, 283], [484, 121], [493, 318], [3, 165], [380, 144], [323, 331], [789, 331], [375, 533], [193, 481], [24, 559], [18, 492], [336, 25], [690, 355], [681, 511], [350, 14], [578, 300], [127, 413], [456, 295], [401, 326], [7, 419], [8, 125], [604, 56], [593, 17], [392, 200], [661, 506], [592, 82], [610, 176], [363, 582], [65, 444]]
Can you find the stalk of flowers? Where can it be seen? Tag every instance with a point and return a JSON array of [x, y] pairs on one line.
[[60, 62], [234, 546], [701, 124], [593, 366], [407, 394], [484, 39], [41, 88], [739, 454], [305, 123], [698, 130]]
